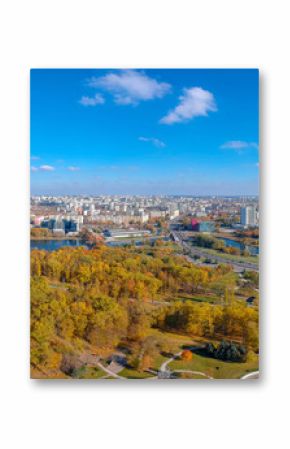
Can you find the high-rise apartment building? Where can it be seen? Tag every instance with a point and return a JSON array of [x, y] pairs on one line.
[[248, 216]]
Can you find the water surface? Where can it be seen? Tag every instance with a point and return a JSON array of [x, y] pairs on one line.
[[253, 250], [52, 245]]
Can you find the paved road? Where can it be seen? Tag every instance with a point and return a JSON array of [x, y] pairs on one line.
[[108, 371], [94, 360], [199, 252], [115, 367]]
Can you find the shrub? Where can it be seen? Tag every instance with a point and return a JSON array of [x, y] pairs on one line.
[[227, 351], [186, 355]]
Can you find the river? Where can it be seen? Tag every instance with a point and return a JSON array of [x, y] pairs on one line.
[[52, 245], [253, 250]]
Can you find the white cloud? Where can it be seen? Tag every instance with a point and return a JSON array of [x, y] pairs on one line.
[[73, 168], [238, 145], [130, 86], [92, 101], [34, 158], [33, 168], [156, 142], [194, 102], [46, 168]]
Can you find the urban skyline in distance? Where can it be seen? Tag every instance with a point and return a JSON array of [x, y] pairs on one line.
[[70, 213], [144, 132]]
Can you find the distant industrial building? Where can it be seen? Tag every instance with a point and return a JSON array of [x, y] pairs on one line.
[[248, 216]]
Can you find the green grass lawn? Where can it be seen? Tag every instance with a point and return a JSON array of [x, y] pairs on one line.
[[215, 368], [193, 376], [199, 298], [133, 374], [176, 340], [90, 372]]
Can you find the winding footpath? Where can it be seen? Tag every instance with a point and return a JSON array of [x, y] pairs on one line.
[[253, 375], [109, 372], [164, 368], [164, 371]]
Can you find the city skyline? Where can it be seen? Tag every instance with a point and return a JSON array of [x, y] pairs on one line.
[[144, 132]]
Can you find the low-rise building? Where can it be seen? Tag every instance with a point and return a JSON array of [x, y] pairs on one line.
[[126, 233], [202, 226]]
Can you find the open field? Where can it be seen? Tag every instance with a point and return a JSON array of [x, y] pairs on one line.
[[90, 373], [213, 299], [134, 374], [215, 368]]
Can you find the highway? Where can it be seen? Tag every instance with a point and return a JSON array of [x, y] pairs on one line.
[[195, 251]]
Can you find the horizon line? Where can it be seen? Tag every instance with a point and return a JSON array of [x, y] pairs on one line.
[[143, 194]]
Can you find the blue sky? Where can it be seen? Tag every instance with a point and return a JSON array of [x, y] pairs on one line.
[[148, 131]]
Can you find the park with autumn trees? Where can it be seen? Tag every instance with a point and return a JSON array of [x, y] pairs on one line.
[[139, 308]]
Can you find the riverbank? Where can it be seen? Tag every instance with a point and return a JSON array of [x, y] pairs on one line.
[[51, 244], [52, 237], [241, 246], [231, 236]]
